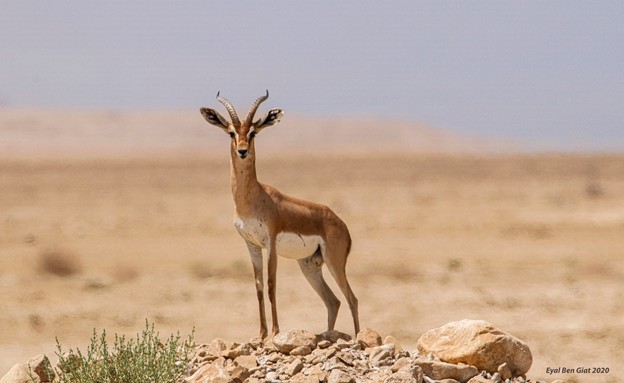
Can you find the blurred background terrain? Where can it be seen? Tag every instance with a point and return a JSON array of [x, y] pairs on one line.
[[474, 150]]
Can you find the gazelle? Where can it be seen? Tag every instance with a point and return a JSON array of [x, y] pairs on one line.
[[292, 228]]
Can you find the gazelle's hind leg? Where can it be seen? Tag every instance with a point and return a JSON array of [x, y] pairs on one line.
[[311, 268], [336, 259]]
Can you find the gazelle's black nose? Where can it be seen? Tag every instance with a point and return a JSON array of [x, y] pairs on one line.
[[242, 153]]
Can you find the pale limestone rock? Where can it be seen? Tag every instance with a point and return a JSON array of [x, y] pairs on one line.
[[19, 373], [440, 370], [301, 351], [368, 338], [345, 358], [301, 378], [218, 347], [479, 344], [210, 373], [323, 344], [42, 368], [247, 361], [400, 363], [479, 379], [339, 376], [293, 367], [333, 336], [381, 354], [237, 373], [317, 373], [379, 375], [391, 340], [285, 342], [404, 377], [37, 370], [237, 350]]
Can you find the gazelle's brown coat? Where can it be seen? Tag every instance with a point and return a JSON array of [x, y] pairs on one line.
[[265, 218]]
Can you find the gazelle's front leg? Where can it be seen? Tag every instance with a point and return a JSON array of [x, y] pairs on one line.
[[272, 253], [255, 252]]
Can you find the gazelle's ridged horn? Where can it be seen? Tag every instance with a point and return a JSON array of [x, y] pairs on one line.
[[229, 108], [254, 107]]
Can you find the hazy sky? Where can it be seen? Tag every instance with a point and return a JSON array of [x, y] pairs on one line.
[[546, 73]]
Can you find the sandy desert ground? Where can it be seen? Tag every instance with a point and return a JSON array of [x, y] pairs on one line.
[[531, 243]]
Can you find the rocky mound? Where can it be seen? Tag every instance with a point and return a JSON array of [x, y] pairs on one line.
[[464, 351], [299, 356]]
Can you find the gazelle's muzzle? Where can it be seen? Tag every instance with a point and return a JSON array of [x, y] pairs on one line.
[[242, 153], [242, 148]]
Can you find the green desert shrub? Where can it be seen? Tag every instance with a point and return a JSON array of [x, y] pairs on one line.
[[144, 359]]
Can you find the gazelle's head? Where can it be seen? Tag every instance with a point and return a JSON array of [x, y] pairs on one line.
[[242, 133]]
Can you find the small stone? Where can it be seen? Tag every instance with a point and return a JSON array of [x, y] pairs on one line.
[[37, 370], [320, 355], [380, 355], [293, 368], [318, 373], [40, 366], [238, 373], [368, 338], [345, 358], [218, 347], [403, 377], [400, 363], [323, 344], [379, 375], [301, 351], [301, 378], [211, 373], [333, 336], [339, 376], [496, 378], [391, 340], [247, 361], [272, 375], [239, 349], [255, 343], [504, 371], [19, 373], [285, 342], [440, 370], [479, 379]]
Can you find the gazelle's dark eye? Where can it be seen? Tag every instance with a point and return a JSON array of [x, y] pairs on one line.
[[232, 134], [252, 135]]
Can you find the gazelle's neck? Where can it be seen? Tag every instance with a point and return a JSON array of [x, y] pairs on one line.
[[243, 179]]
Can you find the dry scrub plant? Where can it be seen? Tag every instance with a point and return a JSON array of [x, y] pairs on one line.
[[141, 360], [59, 262]]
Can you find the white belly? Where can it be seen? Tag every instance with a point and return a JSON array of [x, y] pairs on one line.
[[296, 246], [288, 245]]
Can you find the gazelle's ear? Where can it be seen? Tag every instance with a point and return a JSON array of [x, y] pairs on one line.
[[272, 117], [213, 117]]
